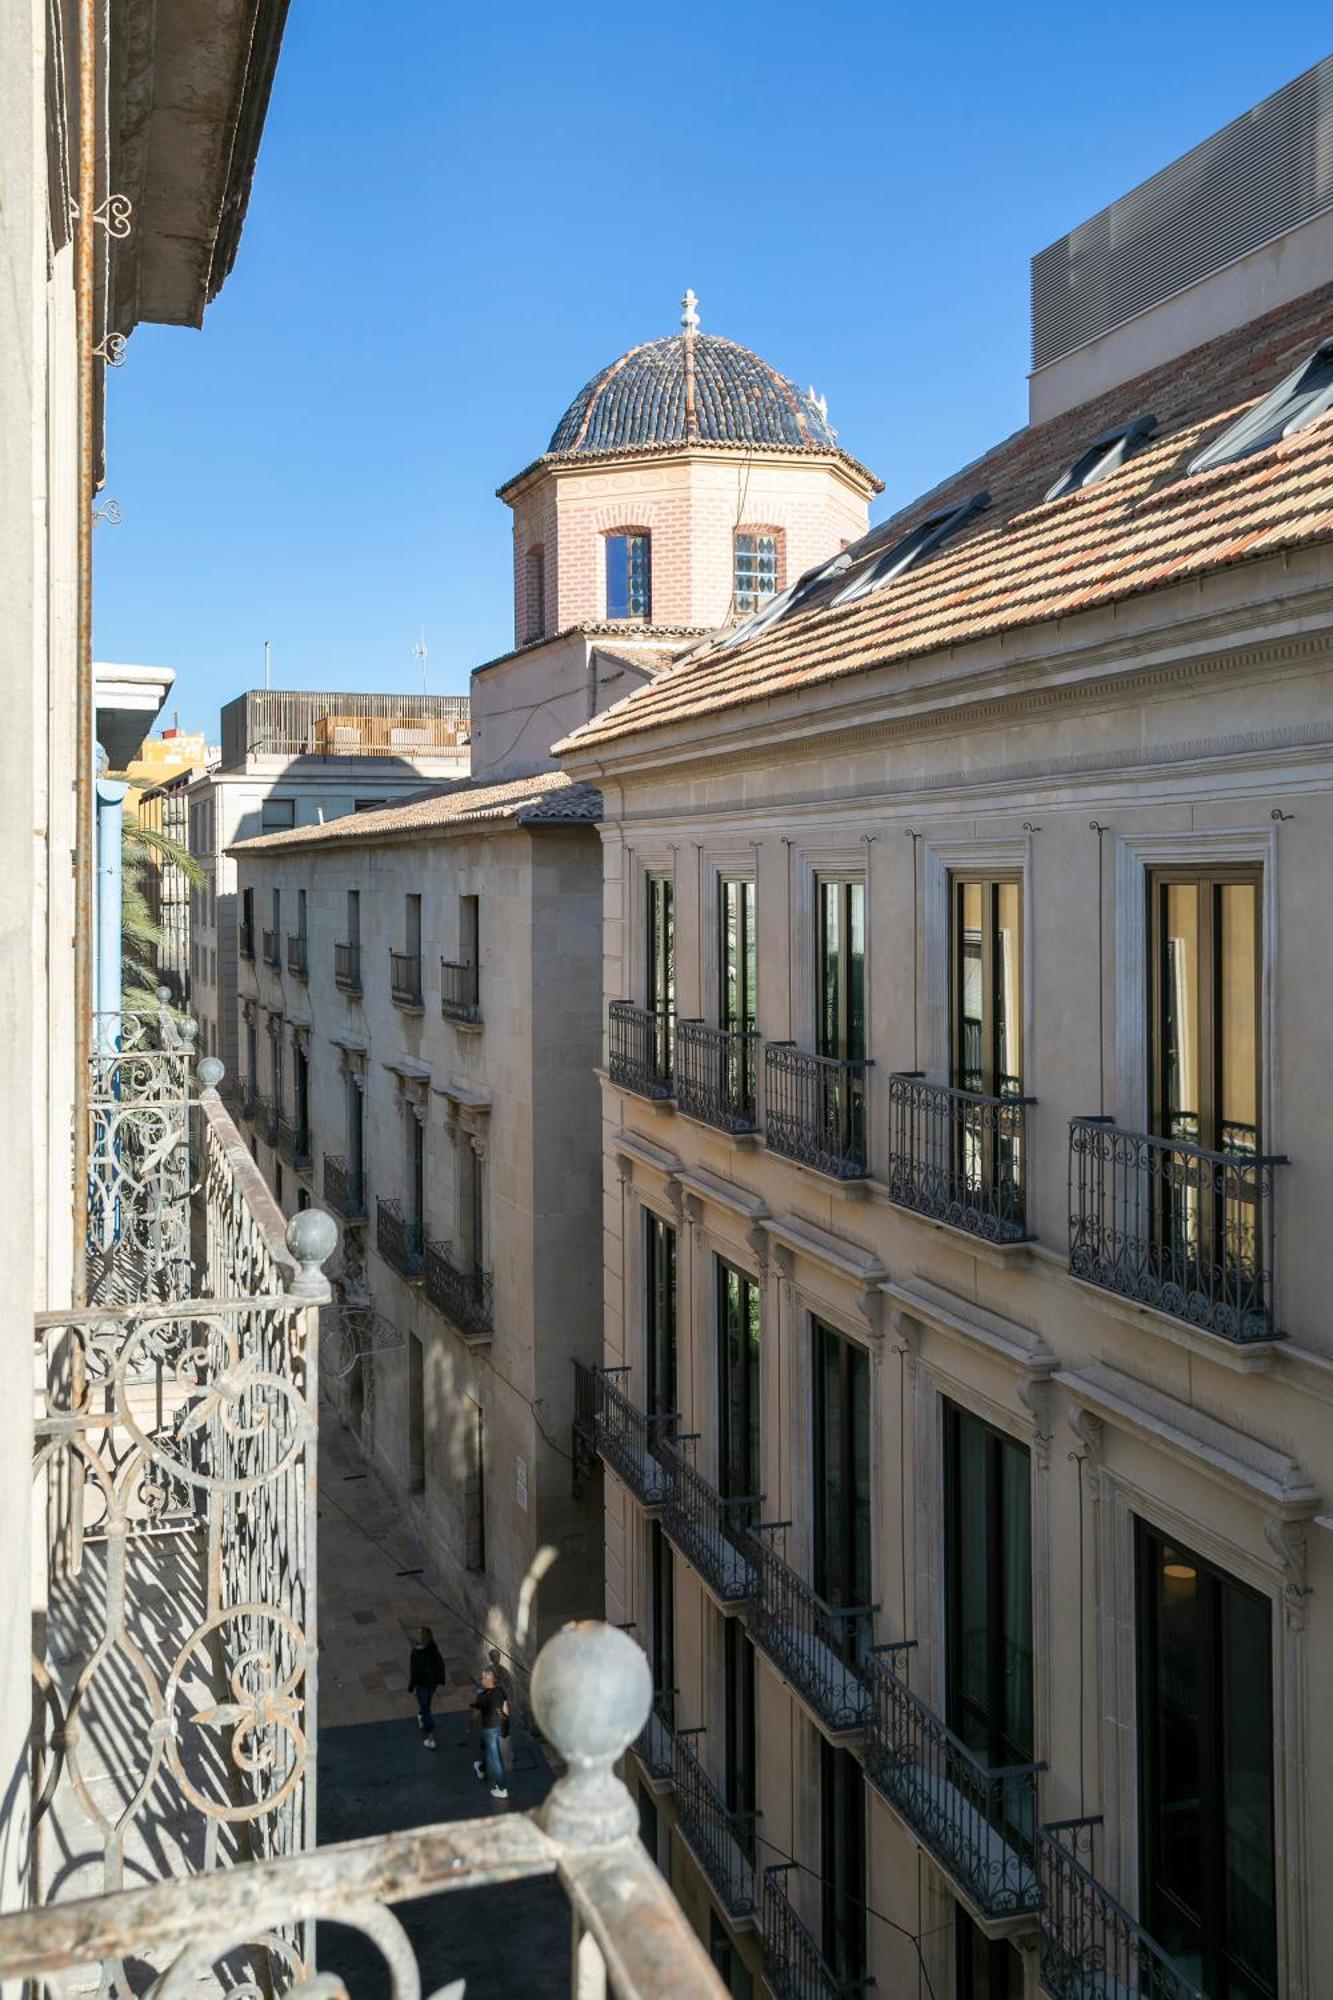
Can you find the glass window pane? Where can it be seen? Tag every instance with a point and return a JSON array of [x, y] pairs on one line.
[[856, 971], [830, 967], [1239, 1012], [1180, 1011], [971, 986], [1016, 1607], [617, 576], [1008, 992], [1247, 1803]]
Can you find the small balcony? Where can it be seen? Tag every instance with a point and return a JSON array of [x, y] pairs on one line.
[[794, 1966], [405, 978], [347, 968], [1090, 1946], [721, 1841], [817, 1647], [815, 1110], [344, 1189], [259, 1111], [398, 1240], [713, 1534], [655, 1744], [463, 1297], [294, 1145], [715, 1075], [245, 940], [272, 948], [978, 1823], [1174, 1227], [958, 1157], [627, 1440], [460, 992], [298, 963], [639, 1056]]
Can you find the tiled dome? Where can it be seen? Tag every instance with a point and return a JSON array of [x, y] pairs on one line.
[[641, 400]]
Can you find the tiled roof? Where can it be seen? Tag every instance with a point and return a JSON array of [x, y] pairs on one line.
[[1025, 560], [739, 399], [548, 799]]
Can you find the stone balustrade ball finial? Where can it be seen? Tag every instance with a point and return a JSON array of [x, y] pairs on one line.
[[163, 995], [592, 1690], [211, 1072], [188, 1030], [312, 1236]]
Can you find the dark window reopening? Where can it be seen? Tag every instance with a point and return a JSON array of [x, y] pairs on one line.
[[739, 1789], [843, 1854], [984, 1968], [841, 1468], [659, 1257], [662, 1582], [1103, 456], [276, 815], [988, 1592], [738, 1329], [629, 576], [737, 956], [730, 1967], [1304, 395], [756, 572], [1209, 1894]]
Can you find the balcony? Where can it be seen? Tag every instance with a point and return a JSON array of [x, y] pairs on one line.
[[259, 1110], [344, 1188], [245, 940], [627, 1440], [655, 1745], [815, 1646], [294, 1145], [297, 955], [712, 1534], [815, 1110], [405, 979], [462, 1296], [977, 1823], [271, 947], [460, 992], [958, 1157], [398, 1240], [715, 1075], [1090, 1946], [347, 968], [721, 1841], [640, 1049], [1174, 1227], [794, 1966]]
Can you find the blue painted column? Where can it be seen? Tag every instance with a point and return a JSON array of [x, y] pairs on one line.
[[107, 944]]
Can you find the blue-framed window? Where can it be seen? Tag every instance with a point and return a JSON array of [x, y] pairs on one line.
[[629, 576]]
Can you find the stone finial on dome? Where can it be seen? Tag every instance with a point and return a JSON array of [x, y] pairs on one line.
[[689, 311]]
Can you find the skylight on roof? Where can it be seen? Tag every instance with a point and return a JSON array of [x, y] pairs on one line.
[[788, 600], [1305, 394], [917, 543], [1103, 456]]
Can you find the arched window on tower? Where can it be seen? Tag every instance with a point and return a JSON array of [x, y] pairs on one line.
[[756, 569], [629, 574], [534, 606]]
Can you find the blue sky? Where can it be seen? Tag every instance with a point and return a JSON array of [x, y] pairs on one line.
[[460, 213]]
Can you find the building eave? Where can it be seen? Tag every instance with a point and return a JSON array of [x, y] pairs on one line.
[[554, 463]]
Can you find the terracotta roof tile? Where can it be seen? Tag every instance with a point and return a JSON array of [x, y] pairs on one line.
[[549, 798]]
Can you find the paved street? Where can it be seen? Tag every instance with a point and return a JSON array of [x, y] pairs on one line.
[[375, 1775]]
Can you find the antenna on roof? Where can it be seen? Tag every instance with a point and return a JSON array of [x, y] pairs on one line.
[[419, 653], [268, 652]]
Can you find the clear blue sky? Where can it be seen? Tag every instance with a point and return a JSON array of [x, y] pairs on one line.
[[461, 212]]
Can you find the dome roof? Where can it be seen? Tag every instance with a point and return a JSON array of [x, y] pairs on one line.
[[640, 400]]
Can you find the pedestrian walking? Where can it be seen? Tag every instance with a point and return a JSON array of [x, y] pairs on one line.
[[492, 1706], [425, 1674]]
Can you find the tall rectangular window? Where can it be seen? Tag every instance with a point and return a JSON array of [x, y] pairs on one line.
[[1207, 1860], [660, 945], [662, 1611], [737, 956], [756, 575], [301, 918], [469, 930], [988, 1589], [987, 985], [356, 1136], [659, 1260], [841, 1468], [739, 1785], [474, 1208], [738, 1329], [416, 1167], [301, 1075], [412, 926], [629, 576], [276, 898], [842, 966], [354, 916], [843, 1855]]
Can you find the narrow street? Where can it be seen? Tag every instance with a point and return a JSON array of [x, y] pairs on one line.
[[376, 1587]]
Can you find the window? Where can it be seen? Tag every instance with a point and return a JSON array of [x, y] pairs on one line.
[[730, 1967], [275, 906], [301, 1081], [755, 577], [469, 930], [739, 1740], [534, 622], [660, 947], [416, 1413], [843, 1855], [416, 1178], [629, 576], [737, 957], [842, 966], [251, 1056], [984, 1968], [276, 815], [662, 1611], [988, 1590], [648, 1822], [1206, 1772], [474, 1485], [247, 923], [873, 570], [1103, 456], [356, 1139], [354, 916], [738, 1329], [841, 1468], [986, 1031], [473, 1193], [412, 926], [659, 1260], [1305, 394], [301, 914], [368, 805]]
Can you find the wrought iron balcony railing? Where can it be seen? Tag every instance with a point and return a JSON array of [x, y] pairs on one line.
[[816, 1646], [715, 1075], [815, 1110], [959, 1157], [266, 1920], [260, 1112], [721, 1841], [245, 940], [711, 1533], [347, 967], [297, 954], [272, 948], [978, 1823], [655, 1744], [794, 1966], [398, 1240], [639, 1050], [463, 1296], [405, 978], [1173, 1226], [460, 991], [294, 1145], [1090, 1945], [344, 1188], [628, 1441]]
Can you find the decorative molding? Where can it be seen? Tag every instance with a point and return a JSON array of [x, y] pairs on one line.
[[1034, 1393], [724, 1194], [1287, 1539], [798, 1238], [1090, 1432], [1004, 1339], [642, 1152]]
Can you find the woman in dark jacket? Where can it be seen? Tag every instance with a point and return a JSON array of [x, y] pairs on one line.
[[425, 1674]]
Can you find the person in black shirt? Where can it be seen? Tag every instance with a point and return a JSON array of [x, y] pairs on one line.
[[492, 1706], [425, 1674]]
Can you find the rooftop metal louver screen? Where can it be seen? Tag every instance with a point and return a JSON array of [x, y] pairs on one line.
[[1264, 174]]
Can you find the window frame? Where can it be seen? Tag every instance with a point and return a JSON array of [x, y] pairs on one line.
[[635, 540], [746, 603], [1003, 1748], [749, 1378]]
